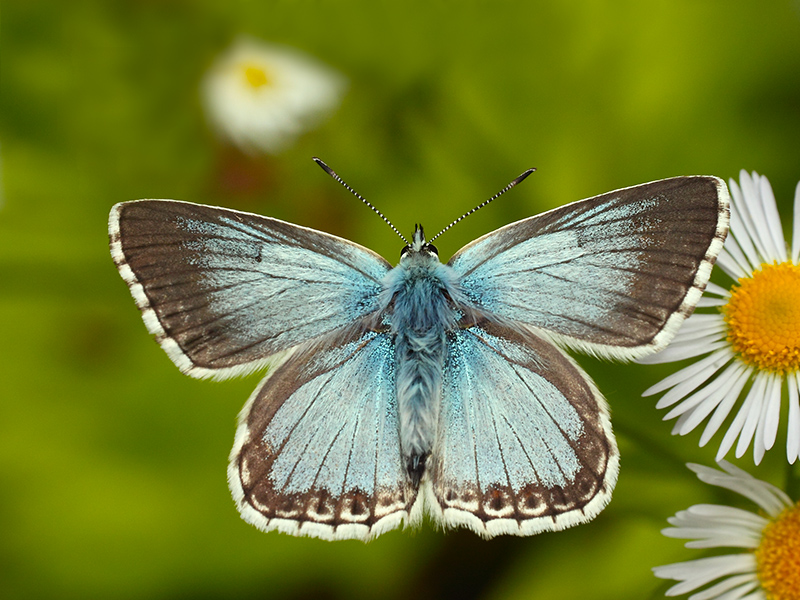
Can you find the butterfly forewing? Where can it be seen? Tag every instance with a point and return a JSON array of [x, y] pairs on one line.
[[317, 451], [223, 291], [614, 275], [524, 441]]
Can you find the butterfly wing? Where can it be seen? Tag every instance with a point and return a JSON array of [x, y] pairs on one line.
[[524, 442], [223, 291], [614, 275], [317, 451]]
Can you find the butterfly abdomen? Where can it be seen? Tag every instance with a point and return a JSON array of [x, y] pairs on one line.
[[420, 359], [421, 315]]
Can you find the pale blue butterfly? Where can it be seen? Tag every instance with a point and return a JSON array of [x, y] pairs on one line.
[[428, 387]]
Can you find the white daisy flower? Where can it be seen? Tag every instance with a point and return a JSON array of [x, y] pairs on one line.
[[261, 97], [768, 569], [753, 340]]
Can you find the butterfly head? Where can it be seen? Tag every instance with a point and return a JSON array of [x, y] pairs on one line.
[[418, 246]]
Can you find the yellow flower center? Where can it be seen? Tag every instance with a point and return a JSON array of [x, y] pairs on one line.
[[256, 76], [778, 556], [763, 317]]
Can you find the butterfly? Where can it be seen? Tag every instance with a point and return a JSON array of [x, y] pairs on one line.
[[424, 388]]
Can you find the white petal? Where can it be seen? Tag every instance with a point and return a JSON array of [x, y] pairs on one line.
[[772, 499], [725, 539], [723, 586], [701, 320], [796, 228], [695, 379], [754, 409], [681, 351], [712, 525], [696, 573], [715, 535], [706, 302], [738, 421], [724, 516], [738, 472], [773, 411], [718, 290], [736, 522], [741, 593], [725, 512], [759, 439], [679, 424], [701, 325], [737, 381], [793, 432], [705, 331], [739, 229], [773, 219], [752, 215], [703, 402], [714, 390], [733, 260], [713, 362], [708, 342]]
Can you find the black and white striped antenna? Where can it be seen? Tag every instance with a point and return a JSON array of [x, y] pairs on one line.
[[333, 174], [482, 204]]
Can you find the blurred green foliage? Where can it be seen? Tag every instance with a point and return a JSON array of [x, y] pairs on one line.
[[112, 464]]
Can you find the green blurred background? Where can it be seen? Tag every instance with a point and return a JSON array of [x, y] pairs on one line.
[[112, 463]]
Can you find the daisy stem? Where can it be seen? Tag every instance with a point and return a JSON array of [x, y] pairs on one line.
[[793, 480]]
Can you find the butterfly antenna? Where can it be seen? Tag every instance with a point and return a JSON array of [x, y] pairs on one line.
[[333, 174], [482, 204]]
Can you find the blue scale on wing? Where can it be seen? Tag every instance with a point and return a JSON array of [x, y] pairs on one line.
[[267, 294], [515, 405], [232, 289], [550, 281], [321, 444], [523, 435], [337, 444], [604, 274]]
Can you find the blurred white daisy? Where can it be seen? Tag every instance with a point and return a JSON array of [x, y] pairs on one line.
[[261, 97], [769, 566], [753, 340]]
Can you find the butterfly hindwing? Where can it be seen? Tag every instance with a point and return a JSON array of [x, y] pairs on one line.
[[524, 441], [317, 451], [223, 291], [613, 275]]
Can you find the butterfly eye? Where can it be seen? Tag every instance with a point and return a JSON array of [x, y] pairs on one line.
[[405, 251], [432, 249]]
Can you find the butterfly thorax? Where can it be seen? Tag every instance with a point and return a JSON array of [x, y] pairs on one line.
[[419, 294]]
